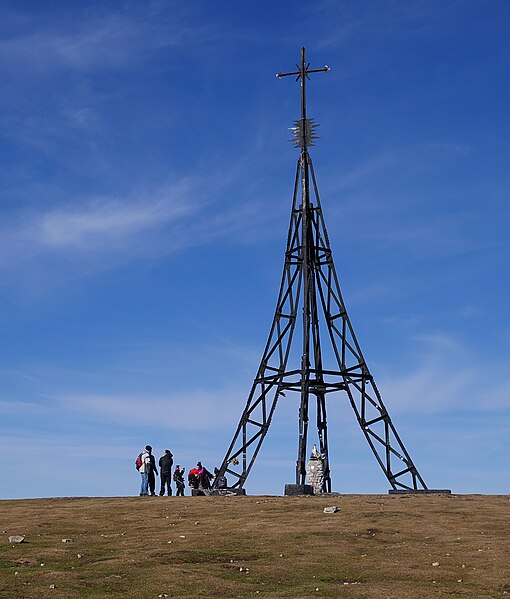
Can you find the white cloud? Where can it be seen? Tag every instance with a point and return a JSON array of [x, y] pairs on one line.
[[111, 40], [99, 230], [9, 407], [38, 250], [440, 340], [55, 459], [191, 411], [496, 395], [106, 221], [386, 160], [375, 20], [447, 376], [429, 388], [376, 192], [402, 321]]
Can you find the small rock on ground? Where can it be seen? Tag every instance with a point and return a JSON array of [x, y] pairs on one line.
[[17, 539], [331, 510]]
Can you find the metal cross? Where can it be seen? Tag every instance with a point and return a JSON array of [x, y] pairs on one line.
[[304, 129]]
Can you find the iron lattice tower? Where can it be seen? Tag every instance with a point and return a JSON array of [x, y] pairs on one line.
[[310, 281]]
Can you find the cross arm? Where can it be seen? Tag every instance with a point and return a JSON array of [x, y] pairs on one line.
[[324, 69], [280, 75], [306, 71]]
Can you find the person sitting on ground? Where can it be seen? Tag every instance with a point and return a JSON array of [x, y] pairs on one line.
[[204, 477], [220, 480], [193, 479], [179, 481]]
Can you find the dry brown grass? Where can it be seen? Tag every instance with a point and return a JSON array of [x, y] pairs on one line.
[[376, 547]]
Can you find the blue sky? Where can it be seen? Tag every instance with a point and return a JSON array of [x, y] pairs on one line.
[[145, 190]]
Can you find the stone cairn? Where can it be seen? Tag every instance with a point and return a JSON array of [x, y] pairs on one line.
[[315, 471]]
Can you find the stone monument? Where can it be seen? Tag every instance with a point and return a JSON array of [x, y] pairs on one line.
[[315, 471]]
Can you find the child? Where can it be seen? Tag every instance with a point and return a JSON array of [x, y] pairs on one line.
[[179, 480]]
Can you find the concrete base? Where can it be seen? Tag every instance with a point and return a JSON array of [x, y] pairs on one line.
[[223, 492], [298, 490], [228, 492], [419, 492]]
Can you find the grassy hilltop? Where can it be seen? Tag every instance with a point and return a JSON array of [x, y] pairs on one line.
[[375, 547]]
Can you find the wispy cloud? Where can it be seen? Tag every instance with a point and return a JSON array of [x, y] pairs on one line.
[[102, 232], [104, 41], [440, 340], [75, 452], [376, 19], [92, 225], [376, 192], [440, 378], [388, 159], [446, 376], [192, 411], [429, 388], [107, 222], [402, 320], [9, 407], [401, 160]]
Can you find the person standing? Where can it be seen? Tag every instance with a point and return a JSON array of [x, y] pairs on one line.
[[145, 463], [153, 472], [179, 481], [165, 470]]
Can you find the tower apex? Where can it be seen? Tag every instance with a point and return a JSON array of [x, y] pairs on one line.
[[304, 128]]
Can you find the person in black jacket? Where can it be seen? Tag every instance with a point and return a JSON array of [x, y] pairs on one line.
[[165, 467], [152, 471], [179, 480]]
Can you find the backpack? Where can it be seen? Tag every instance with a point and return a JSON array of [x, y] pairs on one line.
[[221, 482], [138, 462]]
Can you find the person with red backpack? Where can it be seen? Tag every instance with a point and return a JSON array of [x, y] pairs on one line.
[[143, 465]]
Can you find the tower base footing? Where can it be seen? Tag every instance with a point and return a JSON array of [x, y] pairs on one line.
[[419, 492], [225, 492], [293, 489]]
